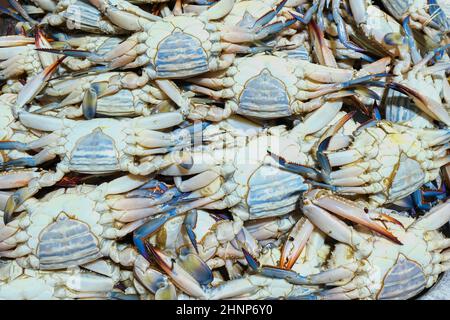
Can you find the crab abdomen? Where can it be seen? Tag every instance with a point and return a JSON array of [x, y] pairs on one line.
[[94, 153], [273, 192], [264, 96], [66, 243], [403, 281], [180, 55]]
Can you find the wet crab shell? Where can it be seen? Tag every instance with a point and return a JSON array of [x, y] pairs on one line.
[[64, 230], [267, 189], [264, 86], [181, 46]]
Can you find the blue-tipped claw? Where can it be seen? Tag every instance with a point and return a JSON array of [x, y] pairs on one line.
[[294, 167], [189, 223], [410, 40], [252, 263], [342, 32], [145, 231], [74, 53], [274, 272], [265, 19], [323, 159], [306, 18], [275, 27], [363, 80]]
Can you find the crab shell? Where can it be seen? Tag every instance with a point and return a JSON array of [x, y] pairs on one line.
[[393, 271], [180, 47], [265, 86], [393, 158], [65, 229], [82, 153], [266, 189]]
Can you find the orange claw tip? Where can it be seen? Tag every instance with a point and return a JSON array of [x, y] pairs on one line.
[[391, 219], [384, 232]]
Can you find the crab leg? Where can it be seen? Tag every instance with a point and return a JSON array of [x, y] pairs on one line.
[[36, 84], [326, 277], [124, 14], [347, 210], [16, 179], [33, 161], [296, 241], [184, 280], [342, 32], [308, 15], [435, 218]]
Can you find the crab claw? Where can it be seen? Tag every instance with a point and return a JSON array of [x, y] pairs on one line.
[[295, 167], [15, 200], [429, 106], [195, 266], [345, 209], [342, 32], [153, 280], [89, 104], [179, 276], [36, 84], [190, 220], [306, 18], [274, 272], [147, 230], [296, 241]]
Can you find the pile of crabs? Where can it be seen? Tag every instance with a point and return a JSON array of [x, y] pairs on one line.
[[228, 149]]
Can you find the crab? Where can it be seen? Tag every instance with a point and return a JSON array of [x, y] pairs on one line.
[[368, 266], [26, 284], [99, 215], [215, 240], [111, 94], [245, 287], [79, 15], [421, 78], [18, 55], [200, 45], [269, 87], [432, 17], [386, 161], [248, 182], [97, 146]]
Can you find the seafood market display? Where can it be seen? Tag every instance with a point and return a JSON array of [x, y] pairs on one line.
[[225, 149]]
